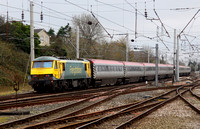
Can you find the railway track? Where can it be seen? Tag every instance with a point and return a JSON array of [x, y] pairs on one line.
[[83, 114], [45, 99], [191, 100], [127, 116], [67, 96], [35, 94], [112, 93], [131, 121], [128, 113], [97, 115]]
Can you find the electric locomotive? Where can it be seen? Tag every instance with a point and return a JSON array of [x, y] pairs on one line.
[[53, 74]]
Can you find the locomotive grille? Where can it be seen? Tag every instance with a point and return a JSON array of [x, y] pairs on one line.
[[40, 77]]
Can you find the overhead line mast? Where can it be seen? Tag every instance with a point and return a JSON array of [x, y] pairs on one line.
[[32, 31], [178, 37]]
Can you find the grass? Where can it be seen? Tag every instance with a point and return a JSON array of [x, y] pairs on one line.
[[13, 64], [3, 119], [8, 90]]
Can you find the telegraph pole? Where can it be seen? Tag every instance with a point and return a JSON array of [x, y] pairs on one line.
[[156, 83], [178, 37], [77, 42], [148, 56], [174, 60], [127, 47], [32, 31], [136, 22], [177, 59]]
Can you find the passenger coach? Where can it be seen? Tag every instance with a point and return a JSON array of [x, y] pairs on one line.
[[106, 72]]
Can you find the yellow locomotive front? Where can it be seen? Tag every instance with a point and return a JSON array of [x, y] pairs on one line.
[[44, 70]]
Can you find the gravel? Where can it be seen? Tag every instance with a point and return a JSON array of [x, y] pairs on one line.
[[34, 110], [176, 115], [126, 99]]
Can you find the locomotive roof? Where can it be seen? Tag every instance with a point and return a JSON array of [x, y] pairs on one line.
[[45, 58]]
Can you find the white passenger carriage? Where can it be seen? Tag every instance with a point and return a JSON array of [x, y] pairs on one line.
[[184, 70], [149, 73], [133, 71], [165, 70], [107, 71]]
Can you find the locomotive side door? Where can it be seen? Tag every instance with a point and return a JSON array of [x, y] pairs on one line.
[[56, 70], [87, 68]]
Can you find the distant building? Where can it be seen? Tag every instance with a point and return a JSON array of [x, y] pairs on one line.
[[44, 37]]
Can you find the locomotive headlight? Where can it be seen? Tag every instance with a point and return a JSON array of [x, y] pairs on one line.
[[48, 77]]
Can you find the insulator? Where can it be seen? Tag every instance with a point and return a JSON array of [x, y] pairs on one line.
[[41, 16], [89, 23], [22, 15], [145, 14]]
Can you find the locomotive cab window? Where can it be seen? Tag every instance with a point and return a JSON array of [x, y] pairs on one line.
[[48, 64], [37, 64], [45, 64]]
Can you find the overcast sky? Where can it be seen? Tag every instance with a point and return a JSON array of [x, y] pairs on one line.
[[118, 17]]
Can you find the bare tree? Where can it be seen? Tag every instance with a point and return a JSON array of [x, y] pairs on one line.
[[89, 27], [91, 34]]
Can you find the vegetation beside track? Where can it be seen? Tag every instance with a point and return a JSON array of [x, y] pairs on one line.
[[8, 90], [3, 119], [13, 62]]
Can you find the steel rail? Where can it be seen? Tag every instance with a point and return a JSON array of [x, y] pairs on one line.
[[82, 116], [12, 123], [91, 124], [154, 108], [77, 124], [50, 112], [112, 95], [187, 102], [198, 97], [44, 124], [56, 97]]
